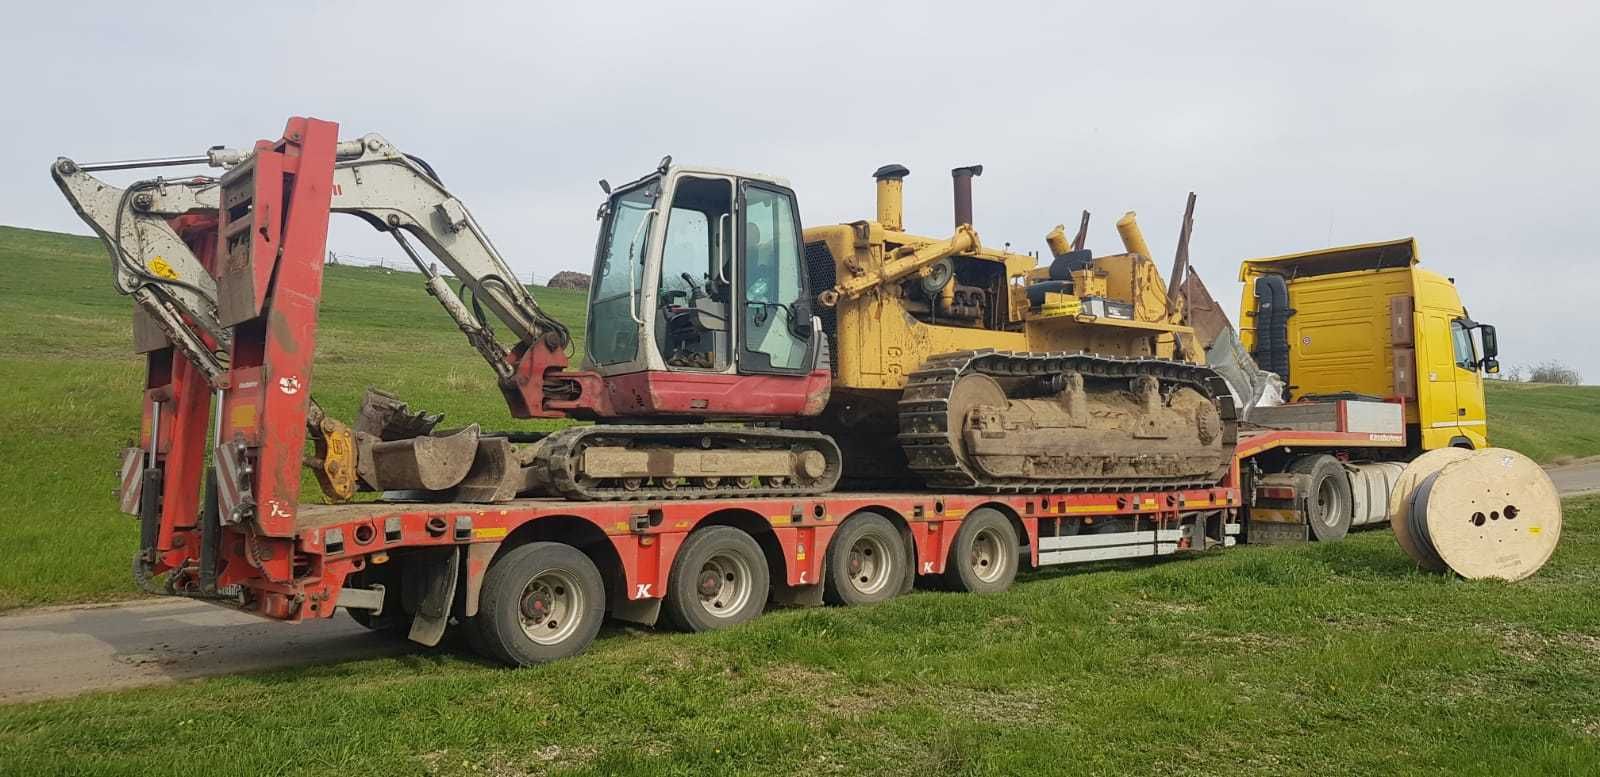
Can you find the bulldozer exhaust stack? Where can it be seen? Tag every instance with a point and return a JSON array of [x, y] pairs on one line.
[[961, 179]]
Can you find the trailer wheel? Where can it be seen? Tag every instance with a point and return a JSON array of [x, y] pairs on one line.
[[540, 602], [866, 562], [719, 579], [983, 558], [1329, 505]]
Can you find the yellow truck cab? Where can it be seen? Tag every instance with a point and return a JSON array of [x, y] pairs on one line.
[[1366, 320]]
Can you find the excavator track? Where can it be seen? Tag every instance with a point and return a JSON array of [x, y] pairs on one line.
[[933, 419], [624, 462]]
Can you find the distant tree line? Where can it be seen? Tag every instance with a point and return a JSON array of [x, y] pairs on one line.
[[1548, 371]]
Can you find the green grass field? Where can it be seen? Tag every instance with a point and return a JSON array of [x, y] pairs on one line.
[[1323, 660], [73, 386], [1552, 424]]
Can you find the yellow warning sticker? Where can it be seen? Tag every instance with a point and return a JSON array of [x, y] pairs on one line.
[[490, 533], [1533, 530], [242, 417], [160, 268]]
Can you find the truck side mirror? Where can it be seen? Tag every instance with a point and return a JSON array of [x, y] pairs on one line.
[[1491, 344], [1491, 366]]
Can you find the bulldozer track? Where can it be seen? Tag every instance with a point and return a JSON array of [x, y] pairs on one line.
[[565, 459], [924, 416]]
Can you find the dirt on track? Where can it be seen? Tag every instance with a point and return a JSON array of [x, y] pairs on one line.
[[63, 651]]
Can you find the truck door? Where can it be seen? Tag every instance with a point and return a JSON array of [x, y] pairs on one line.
[[1471, 418], [1437, 410]]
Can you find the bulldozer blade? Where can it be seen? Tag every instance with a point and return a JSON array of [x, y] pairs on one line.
[[495, 476], [424, 463]]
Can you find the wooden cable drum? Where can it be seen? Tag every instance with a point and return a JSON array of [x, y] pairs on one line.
[[1488, 514], [1417, 471]]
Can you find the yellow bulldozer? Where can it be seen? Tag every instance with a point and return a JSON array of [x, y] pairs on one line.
[[978, 368]]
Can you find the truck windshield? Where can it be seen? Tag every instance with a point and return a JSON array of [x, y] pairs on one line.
[[619, 269]]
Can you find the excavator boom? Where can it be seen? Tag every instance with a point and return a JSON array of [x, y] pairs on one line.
[[372, 179]]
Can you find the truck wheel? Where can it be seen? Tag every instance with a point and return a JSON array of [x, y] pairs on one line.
[[983, 558], [540, 602], [1329, 505], [718, 579], [866, 562]]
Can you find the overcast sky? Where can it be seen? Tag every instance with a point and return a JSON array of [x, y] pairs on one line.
[[1472, 126]]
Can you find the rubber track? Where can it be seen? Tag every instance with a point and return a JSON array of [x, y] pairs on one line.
[[925, 402], [566, 446]]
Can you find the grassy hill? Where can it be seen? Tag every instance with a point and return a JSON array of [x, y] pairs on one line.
[[72, 399], [1552, 424], [72, 386]]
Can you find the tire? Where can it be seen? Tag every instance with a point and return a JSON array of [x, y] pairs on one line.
[[540, 602], [866, 562], [1329, 503], [718, 579], [984, 557]]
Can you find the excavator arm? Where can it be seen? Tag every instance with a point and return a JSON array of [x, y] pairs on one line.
[[373, 180]]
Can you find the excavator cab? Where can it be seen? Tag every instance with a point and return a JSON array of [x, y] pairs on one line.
[[699, 281]]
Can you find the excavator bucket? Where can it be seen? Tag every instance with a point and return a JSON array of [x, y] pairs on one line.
[[401, 451], [421, 463], [496, 476], [398, 451]]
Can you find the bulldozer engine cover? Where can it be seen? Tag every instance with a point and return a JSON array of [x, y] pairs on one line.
[[990, 420]]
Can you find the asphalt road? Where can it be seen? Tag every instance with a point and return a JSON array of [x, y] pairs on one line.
[[1580, 478], [62, 651]]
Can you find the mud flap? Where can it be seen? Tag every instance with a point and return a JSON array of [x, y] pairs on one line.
[[644, 612], [438, 587]]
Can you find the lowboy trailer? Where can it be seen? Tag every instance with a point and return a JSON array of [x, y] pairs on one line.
[[227, 276], [532, 579]]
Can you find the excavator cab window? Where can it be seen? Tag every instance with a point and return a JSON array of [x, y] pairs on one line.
[[614, 319], [691, 310], [773, 317]]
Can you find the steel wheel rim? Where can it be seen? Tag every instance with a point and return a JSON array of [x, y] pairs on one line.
[[724, 585], [551, 606], [989, 556], [1328, 503], [869, 564]]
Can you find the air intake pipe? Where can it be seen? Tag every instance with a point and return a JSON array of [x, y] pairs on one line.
[[1132, 236], [891, 204]]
